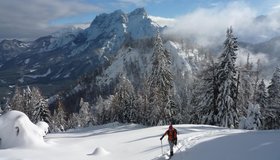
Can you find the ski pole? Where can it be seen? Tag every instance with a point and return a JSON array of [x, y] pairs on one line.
[[161, 147]]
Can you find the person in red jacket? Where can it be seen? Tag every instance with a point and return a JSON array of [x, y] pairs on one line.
[[172, 137]]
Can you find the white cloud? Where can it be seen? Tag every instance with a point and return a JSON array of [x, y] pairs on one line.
[[242, 56], [208, 25], [163, 21], [31, 18], [82, 25], [276, 6]]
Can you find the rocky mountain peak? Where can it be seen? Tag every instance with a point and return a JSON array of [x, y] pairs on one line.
[[119, 24], [139, 12]]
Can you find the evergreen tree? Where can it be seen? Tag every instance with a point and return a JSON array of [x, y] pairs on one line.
[[160, 84], [85, 114], [143, 103], [73, 121], [17, 100], [58, 119], [261, 95], [5, 106], [31, 102], [31, 99], [206, 107], [253, 119], [272, 113], [124, 103], [274, 90], [247, 80], [41, 112], [175, 115], [227, 83], [245, 90], [103, 110]]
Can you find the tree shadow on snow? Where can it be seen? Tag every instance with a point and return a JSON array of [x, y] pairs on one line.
[[94, 132]]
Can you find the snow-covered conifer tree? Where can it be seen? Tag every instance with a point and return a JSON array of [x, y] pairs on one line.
[[272, 113], [227, 83], [31, 102], [206, 95], [160, 84], [102, 110], [143, 103], [245, 90], [124, 102], [253, 119], [85, 114], [58, 119], [274, 90], [73, 121], [41, 112], [17, 100], [261, 95]]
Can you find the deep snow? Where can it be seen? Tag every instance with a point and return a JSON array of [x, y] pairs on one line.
[[136, 142], [16, 130]]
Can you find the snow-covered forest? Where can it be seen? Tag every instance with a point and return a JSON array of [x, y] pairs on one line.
[[139, 80], [221, 93]]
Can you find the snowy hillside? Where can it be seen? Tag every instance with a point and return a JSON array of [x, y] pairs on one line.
[[183, 61], [131, 141], [72, 52]]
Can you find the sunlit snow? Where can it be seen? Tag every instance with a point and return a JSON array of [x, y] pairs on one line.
[[133, 142]]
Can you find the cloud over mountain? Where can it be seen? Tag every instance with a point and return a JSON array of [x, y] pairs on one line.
[[208, 25], [32, 18]]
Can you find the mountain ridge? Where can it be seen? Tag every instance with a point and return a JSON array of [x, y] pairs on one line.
[[66, 55], [56, 61]]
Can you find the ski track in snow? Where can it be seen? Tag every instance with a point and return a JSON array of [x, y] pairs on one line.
[[136, 142], [188, 142]]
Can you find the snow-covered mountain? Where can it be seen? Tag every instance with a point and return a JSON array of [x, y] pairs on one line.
[[118, 42], [58, 59]]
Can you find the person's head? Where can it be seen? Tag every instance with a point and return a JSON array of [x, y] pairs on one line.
[[170, 127]]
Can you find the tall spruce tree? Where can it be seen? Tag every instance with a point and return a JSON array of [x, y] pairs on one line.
[[160, 84], [227, 83], [247, 79], [261, 95], [272, 118], [41, 112], [124, 102], [274, 90], [206, 99]]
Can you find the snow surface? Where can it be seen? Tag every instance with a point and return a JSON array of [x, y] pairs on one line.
[[136, 142], [16, 130], [44, 127]]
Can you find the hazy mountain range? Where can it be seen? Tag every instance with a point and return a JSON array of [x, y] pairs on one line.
[[113, 41]]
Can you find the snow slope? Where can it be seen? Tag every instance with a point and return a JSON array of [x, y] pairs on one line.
[[16, 130], [135, 142]]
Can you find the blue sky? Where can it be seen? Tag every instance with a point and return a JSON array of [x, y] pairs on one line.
[[162, 8], [29, 19]]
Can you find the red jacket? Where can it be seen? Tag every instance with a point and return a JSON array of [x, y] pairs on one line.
[[172, 134]]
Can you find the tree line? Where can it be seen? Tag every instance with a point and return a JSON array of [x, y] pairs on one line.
[[222, 94]]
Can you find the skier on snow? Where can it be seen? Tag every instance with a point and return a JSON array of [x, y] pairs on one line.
[[172, 138]]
